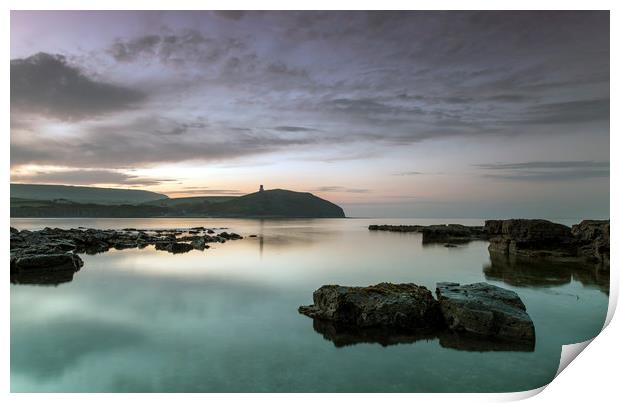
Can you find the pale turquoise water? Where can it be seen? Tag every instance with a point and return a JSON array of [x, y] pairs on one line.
[[225, 320]]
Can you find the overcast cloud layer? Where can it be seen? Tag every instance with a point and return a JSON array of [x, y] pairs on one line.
[[248, 89]]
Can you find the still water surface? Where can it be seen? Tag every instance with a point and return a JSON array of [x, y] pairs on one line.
[[225, 320]]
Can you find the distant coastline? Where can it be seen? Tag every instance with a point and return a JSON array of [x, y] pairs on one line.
[[45, 201]]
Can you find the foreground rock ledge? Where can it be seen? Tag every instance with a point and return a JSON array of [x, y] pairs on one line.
[[405, 306], [477, 309]]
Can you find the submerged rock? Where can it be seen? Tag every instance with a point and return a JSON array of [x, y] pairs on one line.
[[486, 310], [407, 306]]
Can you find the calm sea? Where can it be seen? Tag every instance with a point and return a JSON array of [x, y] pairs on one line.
[[225, 320]]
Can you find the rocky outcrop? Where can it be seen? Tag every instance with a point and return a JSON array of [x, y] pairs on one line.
[[486, 310], [396, 228], [405, 306], [452, 233], [533, 238], [51, 254], [588, 240], [441, 233], [592, 237], [396, 313]]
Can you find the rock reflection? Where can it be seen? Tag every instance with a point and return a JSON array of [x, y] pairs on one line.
[[343, 336], [524, 272], [44, 278]]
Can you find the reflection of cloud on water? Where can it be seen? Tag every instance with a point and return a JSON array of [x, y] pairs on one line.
[[523, 272], [151, 324], [64, 343]]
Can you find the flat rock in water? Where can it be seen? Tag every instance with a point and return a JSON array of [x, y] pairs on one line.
[[406, 306], [485, 310]]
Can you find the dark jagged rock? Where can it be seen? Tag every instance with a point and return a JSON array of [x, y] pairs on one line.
[[475, 317], [593, 240], [406, 306], [199, 243], [179, 247], [485, 310], [49, 262], [588, 240], [533, 238], [55, 250], [452, 233], [396, 228]]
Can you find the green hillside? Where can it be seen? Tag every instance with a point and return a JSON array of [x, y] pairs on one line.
[[83, 194], [189, 201], [277, 203], [68, 201]]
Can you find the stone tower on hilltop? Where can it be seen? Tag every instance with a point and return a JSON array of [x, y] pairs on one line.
[[261, 189]]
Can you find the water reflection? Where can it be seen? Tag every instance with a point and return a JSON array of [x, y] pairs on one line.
[[225, 319], [343, 336], [66, 342], [523, 272], [44, 277]]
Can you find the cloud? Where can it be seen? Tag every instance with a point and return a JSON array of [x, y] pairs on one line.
[[294, 129], [145, 142], [177, 49], [87, 177], [207, 192], [408, 173], [545, 164], [347, 83], [339, 189], [230, 14], [46, 84], [546, 170], [552, 176]]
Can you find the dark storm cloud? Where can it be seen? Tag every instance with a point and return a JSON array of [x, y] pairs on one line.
[[178, 48], [86, 177], [46, 84], [546, 170]]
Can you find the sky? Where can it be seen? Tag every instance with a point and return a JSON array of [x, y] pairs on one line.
[[388, 114]]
